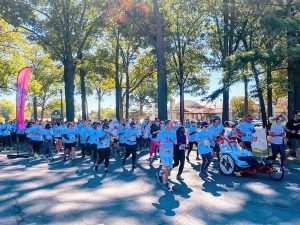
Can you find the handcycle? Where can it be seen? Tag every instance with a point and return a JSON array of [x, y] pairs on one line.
[[230, 161]]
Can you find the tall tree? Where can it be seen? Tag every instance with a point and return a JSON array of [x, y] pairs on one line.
[[62, 27], [186, 44]]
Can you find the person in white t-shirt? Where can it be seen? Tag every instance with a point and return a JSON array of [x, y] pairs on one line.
[[277, 133]]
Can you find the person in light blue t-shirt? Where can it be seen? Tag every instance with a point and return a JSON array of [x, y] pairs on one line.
[[103, 146], [192, 134], [130, 136], [204, 138], [48, 141], [83, 134], [166, 140], [246, 129], [216, 129], [6, 134], [121, 132], [69, 135], [36, 135]]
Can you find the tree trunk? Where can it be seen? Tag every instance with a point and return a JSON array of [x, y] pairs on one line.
[[87, 109], [82, 73], [99, 103], [293, 76], [35, 108], [225, 112], [269, 94], [161, 64], [141, 113], [43, 107], [127, 93], [122, 106], [246, 106], [181, 94], [69, 73], [117, 79], [260, 95], [69, 63]]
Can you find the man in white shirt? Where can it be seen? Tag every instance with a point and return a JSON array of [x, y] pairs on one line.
[[277, 133]]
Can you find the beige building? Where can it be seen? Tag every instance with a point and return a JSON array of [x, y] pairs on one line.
[[198, 110]]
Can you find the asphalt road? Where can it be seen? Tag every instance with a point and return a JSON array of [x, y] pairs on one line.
[[32, 192]]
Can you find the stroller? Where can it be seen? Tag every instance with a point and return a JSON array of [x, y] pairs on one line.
[[231, 161]]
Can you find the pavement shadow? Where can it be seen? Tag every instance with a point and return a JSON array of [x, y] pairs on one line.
[[167, 203]]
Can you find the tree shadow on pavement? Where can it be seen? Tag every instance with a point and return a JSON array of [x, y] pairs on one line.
[[167, 203]]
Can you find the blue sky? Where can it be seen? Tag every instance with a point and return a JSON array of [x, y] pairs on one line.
[[109, 101]]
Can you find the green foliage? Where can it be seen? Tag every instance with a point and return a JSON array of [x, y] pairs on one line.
[[7, 110], [237, 105]]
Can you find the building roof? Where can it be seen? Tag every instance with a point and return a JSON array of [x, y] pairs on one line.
[[201, 107]]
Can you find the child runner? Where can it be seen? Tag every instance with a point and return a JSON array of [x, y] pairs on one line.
[[203, 139], [48, 144]]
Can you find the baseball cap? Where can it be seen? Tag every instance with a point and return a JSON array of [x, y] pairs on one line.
[[204, 124]]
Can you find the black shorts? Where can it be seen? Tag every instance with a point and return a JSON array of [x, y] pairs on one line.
[[116, 141], [248, 145], [70, 145], [122, 144], [30, 142], [216, 148]]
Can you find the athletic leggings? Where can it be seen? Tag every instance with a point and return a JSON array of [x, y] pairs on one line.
[[206, 160], [153, 147], [36, 146], [6, 139], [103, 154], [130, 149], [83, 149], [179, 156], [94, 152]]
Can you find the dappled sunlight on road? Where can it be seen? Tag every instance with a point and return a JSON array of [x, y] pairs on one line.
[[36, 193]]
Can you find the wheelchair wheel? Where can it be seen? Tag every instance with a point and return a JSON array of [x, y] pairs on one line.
[[226, 164], [276, 171]]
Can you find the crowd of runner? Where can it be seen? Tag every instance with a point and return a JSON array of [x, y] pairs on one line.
[[168, 141]]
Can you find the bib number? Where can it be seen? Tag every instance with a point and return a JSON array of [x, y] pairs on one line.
[[182, 147], [206, 143], [168, 151], [105, 145], [132, 139]]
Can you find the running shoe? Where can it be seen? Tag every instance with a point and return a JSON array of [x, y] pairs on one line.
[[133, 167], [159, 177], [167, 186], [105, 170]]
